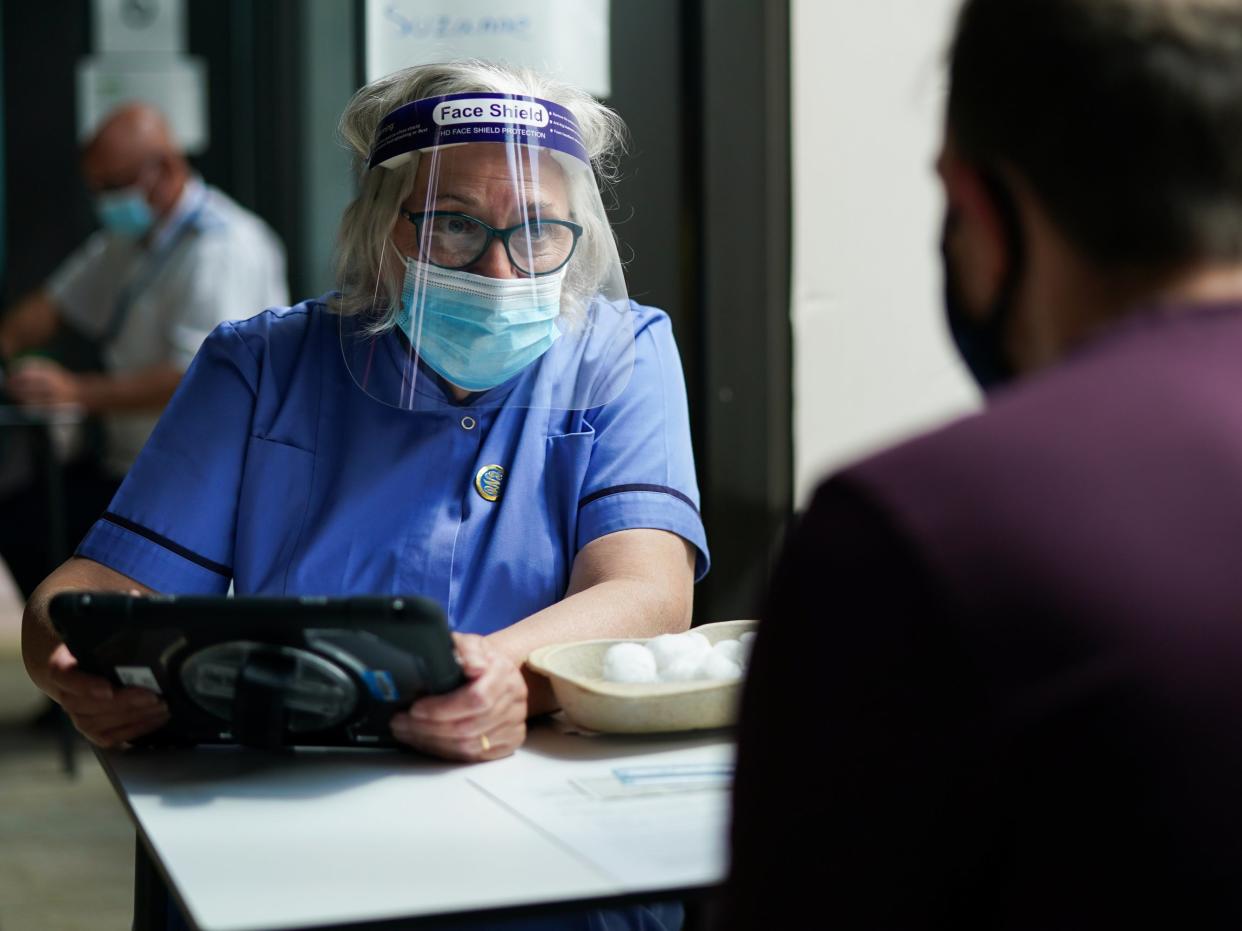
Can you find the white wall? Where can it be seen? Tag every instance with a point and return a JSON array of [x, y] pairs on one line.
[[873, 361]]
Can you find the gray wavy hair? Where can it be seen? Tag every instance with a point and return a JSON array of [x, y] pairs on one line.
[[369, 274]]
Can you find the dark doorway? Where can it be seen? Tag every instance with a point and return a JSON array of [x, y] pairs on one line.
[[703, 215]]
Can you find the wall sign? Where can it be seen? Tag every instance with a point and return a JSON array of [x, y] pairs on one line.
[[564, 38], [139, 47]]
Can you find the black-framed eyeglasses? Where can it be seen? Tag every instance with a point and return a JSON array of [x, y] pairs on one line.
[[457, 240]]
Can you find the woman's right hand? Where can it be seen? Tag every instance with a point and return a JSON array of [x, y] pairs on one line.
[[105, 715]]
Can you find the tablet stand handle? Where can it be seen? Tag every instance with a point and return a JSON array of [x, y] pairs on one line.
[[259, 714]]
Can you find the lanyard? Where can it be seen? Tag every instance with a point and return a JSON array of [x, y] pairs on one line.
[[125, 300]]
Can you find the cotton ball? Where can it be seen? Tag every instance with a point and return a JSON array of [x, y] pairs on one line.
[[700, 642], [729, 649], [629, 662], [715, 666], [668, 648], [682, 669], [747, 640]]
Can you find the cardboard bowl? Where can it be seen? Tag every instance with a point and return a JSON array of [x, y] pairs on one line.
[[576, 673]]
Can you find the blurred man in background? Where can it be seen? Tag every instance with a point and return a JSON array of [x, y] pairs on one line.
[[998, 681], [173, 259]]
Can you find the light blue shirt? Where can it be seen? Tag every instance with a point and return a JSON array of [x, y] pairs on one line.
[[270, 468], [155, 303]]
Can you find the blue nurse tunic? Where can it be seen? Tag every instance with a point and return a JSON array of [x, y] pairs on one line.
[[272, 469]]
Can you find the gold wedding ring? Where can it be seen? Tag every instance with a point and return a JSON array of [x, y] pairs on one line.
[[487, 744]]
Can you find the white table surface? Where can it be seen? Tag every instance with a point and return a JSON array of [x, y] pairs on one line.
[[253, 840]]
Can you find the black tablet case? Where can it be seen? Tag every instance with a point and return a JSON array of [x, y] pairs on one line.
[[267, 672]]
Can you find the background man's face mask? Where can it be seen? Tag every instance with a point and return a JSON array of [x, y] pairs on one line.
[[125, 212], [474, 331]]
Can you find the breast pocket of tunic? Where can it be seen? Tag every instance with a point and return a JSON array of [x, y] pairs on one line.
[[271, 512], [567, 459]]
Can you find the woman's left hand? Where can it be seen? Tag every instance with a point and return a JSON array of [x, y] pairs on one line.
[[485, 719]]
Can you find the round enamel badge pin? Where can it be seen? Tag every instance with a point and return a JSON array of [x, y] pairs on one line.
[[487, 482]]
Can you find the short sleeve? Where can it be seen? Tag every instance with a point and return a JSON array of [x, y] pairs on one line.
[[234, 276], [171, 525], [84, 286], [641, 472]]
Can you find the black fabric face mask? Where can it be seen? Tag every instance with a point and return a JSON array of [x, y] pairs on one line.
[[980, 340]]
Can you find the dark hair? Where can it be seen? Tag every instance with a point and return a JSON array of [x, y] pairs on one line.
[[1124, 116]]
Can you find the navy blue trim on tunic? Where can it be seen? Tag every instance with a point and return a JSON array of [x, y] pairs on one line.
[[621, 489], [168, 544]]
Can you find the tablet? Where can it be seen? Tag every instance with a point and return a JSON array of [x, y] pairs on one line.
[[265, 672]]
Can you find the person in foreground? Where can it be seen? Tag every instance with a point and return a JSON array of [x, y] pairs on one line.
[[999, 671], [479, 416], [174, 258]]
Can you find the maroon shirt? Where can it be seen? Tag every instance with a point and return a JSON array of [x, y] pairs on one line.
[[998, 682]]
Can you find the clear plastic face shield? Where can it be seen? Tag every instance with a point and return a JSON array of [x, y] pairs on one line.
[[511, 291]]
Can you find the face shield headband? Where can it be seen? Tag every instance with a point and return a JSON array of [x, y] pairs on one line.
[[458, 118]]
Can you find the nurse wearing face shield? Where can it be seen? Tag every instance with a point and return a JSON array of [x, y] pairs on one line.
[[478, 414]]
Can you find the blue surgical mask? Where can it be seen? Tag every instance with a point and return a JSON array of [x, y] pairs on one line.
[[125, 212], [474, 331]]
